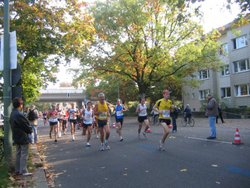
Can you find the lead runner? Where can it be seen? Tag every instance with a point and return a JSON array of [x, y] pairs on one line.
[[164, 107]]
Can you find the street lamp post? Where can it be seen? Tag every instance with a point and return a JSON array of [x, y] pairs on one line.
[[6, 87]]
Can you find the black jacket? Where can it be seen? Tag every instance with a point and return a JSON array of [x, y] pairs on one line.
[[20, 127]]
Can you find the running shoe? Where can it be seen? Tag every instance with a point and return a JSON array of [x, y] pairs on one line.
[[121, 139], [107, 147], [88, 144], [161, 146], [144, 134], [102, 147], [55, 140]]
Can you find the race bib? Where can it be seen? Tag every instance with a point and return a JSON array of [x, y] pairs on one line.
[[166, 113], [119, 113], [103, 115]]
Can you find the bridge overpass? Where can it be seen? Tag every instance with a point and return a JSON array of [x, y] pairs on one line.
[[63, 94]]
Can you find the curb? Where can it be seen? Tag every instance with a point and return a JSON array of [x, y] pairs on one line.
[[39, 173]]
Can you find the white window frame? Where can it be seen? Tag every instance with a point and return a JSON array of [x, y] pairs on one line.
[[225, 70], [225, 93], [224, 49], [240, 42], [203, 94], [238, 68], [240, 88], [203, 74]]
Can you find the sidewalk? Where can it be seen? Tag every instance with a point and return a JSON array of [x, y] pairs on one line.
[[38, 177]]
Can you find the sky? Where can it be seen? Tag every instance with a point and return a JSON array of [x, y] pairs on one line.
[[215, 14]]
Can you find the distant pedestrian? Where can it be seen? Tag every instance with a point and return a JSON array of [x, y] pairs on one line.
[[212, 113], [142, 117], [164, 107], [21, 129], [155, 116], [33, 116], [220, 115], [101, 111], [187, 114], [174, 116]]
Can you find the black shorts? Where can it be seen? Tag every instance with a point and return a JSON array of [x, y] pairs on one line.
[[72, 121], [119, 120], [87, 125], [102, 123], [167, 121], [53, 123], [142, 118]]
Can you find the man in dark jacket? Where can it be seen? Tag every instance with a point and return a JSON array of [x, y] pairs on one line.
[[212, 113], [21, 128]]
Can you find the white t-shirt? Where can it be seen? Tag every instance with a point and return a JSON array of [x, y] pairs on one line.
[[142, 110], [88, 117]]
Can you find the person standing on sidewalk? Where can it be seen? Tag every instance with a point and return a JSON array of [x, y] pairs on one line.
[[33, 116], [164, 107], [21, 129], [212, 113], [101, 111]]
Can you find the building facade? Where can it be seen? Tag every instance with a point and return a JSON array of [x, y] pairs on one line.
[[231, 84]]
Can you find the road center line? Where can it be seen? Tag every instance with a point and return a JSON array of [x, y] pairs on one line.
[[203, 139]]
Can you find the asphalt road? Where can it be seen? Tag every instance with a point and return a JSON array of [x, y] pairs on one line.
[[189, 160]]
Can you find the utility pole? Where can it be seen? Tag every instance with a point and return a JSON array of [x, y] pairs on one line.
[[6, 87]]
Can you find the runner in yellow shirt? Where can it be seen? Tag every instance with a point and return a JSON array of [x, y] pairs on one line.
[[164, 107], [101, 111]]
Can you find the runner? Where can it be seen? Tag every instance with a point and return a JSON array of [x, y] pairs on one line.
[[53, 122], [119, 116], [88, 115], [72, 120], [65, 120], [164, 107], [101, 111], [142, 117]]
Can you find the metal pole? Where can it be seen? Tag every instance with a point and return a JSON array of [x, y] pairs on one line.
[[6, 87]]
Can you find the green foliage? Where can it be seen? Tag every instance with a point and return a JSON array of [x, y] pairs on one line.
[[48, 33], [152, 43]]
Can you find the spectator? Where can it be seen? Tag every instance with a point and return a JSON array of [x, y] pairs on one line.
[[33, 116], [187, 114], [220, 115], [21, 128], [212, 113]]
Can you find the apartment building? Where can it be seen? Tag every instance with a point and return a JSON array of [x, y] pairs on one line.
[[231, 84]]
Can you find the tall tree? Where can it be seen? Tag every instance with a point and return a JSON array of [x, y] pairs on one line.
[[49, 32], [148, 42]]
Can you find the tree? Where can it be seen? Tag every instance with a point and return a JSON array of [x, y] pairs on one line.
[[148, 42], [48, 33]]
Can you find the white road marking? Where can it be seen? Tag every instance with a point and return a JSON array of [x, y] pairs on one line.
[[217, 141]]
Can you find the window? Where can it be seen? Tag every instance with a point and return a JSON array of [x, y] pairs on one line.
[[225, 70], [203, 94], [242, 90], [225, 92], [241, 66], [203, 74], [240, 42], [224, 49]]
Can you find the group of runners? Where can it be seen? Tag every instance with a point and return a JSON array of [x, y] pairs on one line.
[[97, 116]]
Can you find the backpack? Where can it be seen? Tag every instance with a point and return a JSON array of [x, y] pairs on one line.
[[32, 115]]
